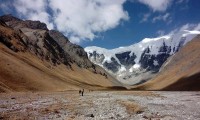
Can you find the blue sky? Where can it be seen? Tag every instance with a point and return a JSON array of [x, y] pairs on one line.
[[108, 23], [133, 31]]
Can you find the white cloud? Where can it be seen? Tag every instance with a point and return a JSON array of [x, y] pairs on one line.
[[184, 4], [157, 5], [145, 17], [181, 1], [164, 17], [83, 18], [160, 32], [33, 10], [197, 27], [77, 19], [188, 26]]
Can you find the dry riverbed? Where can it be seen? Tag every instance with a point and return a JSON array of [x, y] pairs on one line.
[[119, 105]]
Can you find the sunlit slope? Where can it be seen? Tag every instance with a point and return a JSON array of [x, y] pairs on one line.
[[180, 72], [31, 60]]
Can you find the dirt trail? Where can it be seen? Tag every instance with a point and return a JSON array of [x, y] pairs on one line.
[[120, 105]]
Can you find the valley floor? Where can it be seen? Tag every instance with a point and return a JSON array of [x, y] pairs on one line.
[[120, 105]]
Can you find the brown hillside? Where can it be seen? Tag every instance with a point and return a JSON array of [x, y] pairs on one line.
[[31, 60], [182, 71], [25, 72]]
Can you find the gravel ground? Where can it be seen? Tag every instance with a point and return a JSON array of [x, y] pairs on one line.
[[95, 105]]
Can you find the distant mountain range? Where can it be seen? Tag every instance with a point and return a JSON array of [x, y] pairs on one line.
[[138, 63], [33, 58]]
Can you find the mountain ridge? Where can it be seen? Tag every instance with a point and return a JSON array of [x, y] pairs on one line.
[[180, 73], [144, 58], [32, 59]]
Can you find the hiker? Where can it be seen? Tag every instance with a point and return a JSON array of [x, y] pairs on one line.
[[80, 92]]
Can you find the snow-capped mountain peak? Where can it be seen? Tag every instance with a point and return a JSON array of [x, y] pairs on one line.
[[127, 63]]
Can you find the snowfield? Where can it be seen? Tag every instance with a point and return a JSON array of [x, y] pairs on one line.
[[98, 105]]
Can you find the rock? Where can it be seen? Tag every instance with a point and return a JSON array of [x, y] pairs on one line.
[[89, 115], [13, 98], [145, 117], [56, 111], [9, 17], [17, 23], [75, 52], [139, 112]]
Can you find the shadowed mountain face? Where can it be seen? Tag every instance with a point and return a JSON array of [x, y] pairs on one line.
[[180, 72], [35, 58], [76, 53]]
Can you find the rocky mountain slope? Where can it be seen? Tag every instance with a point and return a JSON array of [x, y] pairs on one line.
[[35, 58], [180, 72], [139, 62]]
